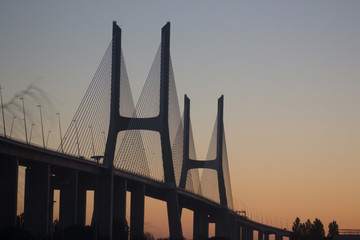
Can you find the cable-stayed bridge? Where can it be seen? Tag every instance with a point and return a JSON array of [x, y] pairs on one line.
[[113, 146]]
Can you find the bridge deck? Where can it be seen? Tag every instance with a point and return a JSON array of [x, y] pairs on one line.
[[28, 155]]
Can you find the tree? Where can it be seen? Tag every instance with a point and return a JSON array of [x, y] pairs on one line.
[[56, 225], [308, 230], [120, 229], [56, 230], [148, 236], [20, 220], [317, 230], [297, 229], [296, 226], [78, 231], [333, 229]]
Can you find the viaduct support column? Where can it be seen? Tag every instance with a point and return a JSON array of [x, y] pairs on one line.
[[233, 227], [237, 233], [37, 189], [68, 198], [8, 192], [266, 236], [137, 212], [278, 236], [103, 207], [201, 226], [81, 200], [51, 207], [244, 232], [250, 235], [222, 224], [120, 186], [174, 219], [260, 235], [119, 205]]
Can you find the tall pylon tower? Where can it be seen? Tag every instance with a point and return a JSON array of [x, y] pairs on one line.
[[158, 123], [221, 217]]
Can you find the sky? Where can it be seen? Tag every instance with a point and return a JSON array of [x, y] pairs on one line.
[[289, 71]]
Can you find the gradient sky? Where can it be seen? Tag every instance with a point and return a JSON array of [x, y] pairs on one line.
[[289, 71]]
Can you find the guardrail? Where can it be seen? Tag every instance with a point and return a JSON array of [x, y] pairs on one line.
[[349, 232]]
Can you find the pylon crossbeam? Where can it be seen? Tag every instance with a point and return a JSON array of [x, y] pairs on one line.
[[151, 124], [210, 164]]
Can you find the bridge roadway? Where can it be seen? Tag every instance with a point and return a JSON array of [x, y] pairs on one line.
[[14, 153]]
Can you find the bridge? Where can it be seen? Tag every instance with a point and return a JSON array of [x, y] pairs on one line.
[[113, 146]]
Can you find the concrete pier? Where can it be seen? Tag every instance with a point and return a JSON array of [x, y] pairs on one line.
[[222, 224], [250, 234], [81, 205], [103, 204], [119, 203], [137, 212], [201, 225], [260, 235], [37, 189], [244, 232], [237, 233], [8, 194], [68, 197]]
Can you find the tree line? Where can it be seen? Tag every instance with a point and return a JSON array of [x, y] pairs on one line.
[[313, 230], [300, 231]]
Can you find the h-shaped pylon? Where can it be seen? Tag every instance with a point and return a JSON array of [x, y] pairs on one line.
[[159, 123], [215, 164], [222, 217]]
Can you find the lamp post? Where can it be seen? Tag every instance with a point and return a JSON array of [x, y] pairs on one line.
[[12, 125], [103, 132], [77, 137], [22, 99], [32, 125], [42, 126], [2, 109], [47, 138], [92, 140], [61, 140], [104, 138]]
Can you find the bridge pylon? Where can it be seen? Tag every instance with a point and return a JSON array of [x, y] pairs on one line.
[[222, 216], [105, 196]]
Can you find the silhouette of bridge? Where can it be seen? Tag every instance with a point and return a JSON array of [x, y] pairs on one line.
[[147, 149]]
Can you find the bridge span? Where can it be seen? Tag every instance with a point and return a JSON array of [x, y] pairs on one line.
[[127, 163], [73, 176]]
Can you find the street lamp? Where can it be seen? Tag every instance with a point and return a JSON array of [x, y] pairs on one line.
[[22, 99], [12, 124], [47, 138], [77, 137], [2, 109], [32, 125], [103, 132], [92, 140], [42, 126], [61, 140]]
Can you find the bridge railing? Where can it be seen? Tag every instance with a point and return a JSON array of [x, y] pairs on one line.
[[17, 139], [349, 232]]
